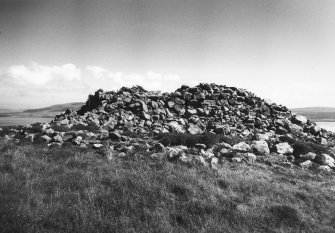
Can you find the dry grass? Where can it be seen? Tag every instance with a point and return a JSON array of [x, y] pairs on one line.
[[67, 190]]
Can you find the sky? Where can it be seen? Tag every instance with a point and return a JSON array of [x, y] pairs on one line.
[[60, 51]]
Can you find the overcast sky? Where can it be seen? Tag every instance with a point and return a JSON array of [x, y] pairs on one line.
[[60, 51]]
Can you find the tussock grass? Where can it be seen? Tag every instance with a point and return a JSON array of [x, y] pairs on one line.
[[66, 190]]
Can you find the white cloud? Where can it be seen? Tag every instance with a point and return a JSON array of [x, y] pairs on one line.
[[114, 80], [37, 85], [40, 75]]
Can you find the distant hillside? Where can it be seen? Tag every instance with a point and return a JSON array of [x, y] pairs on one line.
[[314, 109], [316, 113], [56, 108], [6, 110], [47, 112]]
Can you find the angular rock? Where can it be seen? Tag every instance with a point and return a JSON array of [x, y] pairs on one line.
[[49, 131], [175, 127], [325, 159], [263, 137], [309, 156], [307, 164], [194, 129], [97, 146], [284, 148], [324, 168], [77, 140], [224, 152], [46, 138], [249, 157], [241, 147], [323, 141], [57, 138], [260, 147], [299, 120]]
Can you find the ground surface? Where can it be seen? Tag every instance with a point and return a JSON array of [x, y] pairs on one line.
[[73, 190]]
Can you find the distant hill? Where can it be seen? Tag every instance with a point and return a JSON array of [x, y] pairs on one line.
[[314, 109], [6, 110], [56, 108], [48, 112], [316, 113]]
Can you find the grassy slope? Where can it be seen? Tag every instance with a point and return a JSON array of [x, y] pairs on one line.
[[68, 190]]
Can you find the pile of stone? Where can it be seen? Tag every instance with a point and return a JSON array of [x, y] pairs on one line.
[[206, 108]]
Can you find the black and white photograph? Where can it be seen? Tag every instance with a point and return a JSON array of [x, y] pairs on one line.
[[166, 116]]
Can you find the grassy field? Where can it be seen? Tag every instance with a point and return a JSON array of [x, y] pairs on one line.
[[72, 190]]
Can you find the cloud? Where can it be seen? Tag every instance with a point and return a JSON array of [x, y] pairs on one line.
[[37, 85], [40, 75], [114, 80]]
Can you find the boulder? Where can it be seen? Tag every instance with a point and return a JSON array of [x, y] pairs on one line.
[[324, 168], [249, 157], [309, 156], [49, 131], [323, 141], [263, 136], [260, 147], [224, 152], [189, 112], [325, 159], [57, 138], [46, 138], [77, 140], [306, 164], [299, 120], [241, 147], [97, 145], [175, 127], [194, 129], [284, 148], [214, 163]]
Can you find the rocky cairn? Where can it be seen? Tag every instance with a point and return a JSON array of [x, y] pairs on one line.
[[211, 109]]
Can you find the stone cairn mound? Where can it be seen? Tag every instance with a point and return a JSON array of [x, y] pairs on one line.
[[206, 108]]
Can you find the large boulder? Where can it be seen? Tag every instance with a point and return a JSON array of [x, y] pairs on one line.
[[176, 127], [194, 129], [325, 159], [299, 120], [260, 147], [284, 148]]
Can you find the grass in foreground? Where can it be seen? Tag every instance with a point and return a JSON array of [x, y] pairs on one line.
[[67, 190]]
